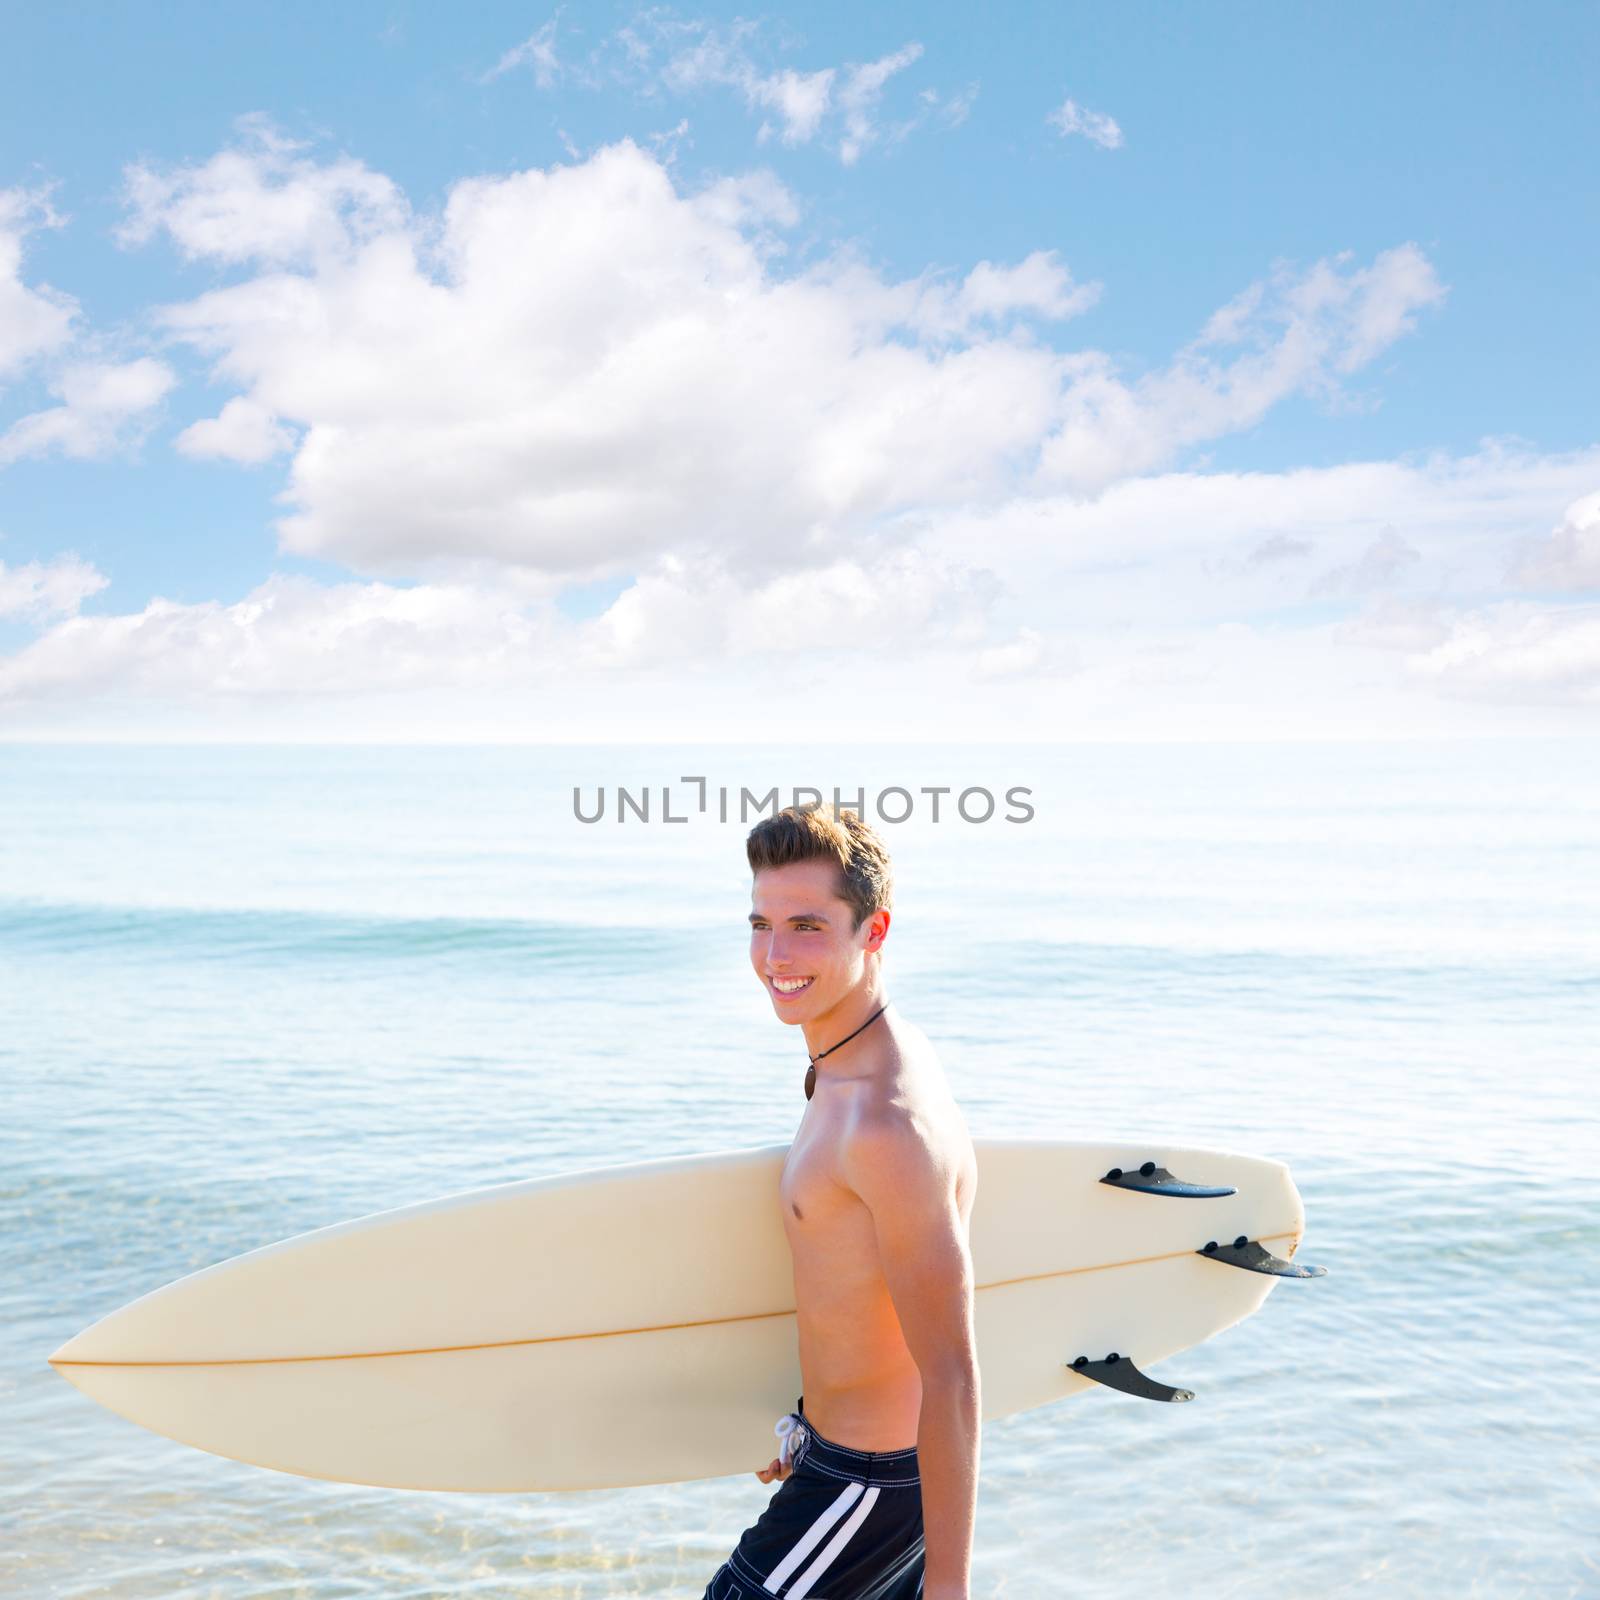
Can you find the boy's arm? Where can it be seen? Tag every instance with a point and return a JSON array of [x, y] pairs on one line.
[[927, 1264]]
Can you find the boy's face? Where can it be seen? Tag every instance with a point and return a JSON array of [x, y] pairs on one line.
[[802, 945]]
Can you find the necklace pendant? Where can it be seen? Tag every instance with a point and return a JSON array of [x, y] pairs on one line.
[[811, 1081]]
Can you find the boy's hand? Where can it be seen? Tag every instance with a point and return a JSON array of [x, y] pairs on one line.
[[777, 1470]]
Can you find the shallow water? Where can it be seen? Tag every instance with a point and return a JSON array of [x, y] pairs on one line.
[[247, 992]]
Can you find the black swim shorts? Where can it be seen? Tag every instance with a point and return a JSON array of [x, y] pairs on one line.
[[844, 1525]]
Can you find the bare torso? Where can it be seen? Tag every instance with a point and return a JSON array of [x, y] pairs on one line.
[[861, 1386]]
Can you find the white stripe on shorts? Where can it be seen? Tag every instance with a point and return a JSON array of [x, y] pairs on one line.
[[835, 1545], [812, 1537]]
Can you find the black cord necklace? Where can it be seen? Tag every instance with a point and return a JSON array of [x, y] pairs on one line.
[[811, 1071]]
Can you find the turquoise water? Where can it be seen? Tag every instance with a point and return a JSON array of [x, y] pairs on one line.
[[245, 992]]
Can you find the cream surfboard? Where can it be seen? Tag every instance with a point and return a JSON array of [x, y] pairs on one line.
[[635, 1324]]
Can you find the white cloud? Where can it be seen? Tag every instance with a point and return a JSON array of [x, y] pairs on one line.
[[1187, 550], [244, 431], [892, 491], [859, 93], [647, 385], [1030, 655], [658, 51], [1390, 622], [288, 636], [41, 590], [902, 602], [262, 202], [748, 201], [1385, 559], [34, 322], [1379, 302], [103, 407], [103, 400], [293, 636], [665, 142], [1303, 328], [952, 109], [1519, 652], [1569, 557], [1277, 547], [801, 100], [1039, 285], [1168, 608], [1069, 118], [1374, 305], [537, 51], [581, 369]]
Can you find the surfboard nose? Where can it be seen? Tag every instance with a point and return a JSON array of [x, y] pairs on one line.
[[72, 1350]]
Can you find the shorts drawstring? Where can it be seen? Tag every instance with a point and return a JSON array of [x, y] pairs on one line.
[[792, 1435]]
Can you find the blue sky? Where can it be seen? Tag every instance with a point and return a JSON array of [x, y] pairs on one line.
[[851, 357]]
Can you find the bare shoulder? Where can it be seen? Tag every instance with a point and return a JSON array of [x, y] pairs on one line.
[[909, 1123]]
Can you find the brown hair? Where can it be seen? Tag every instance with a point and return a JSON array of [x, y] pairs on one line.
[[807, 833]]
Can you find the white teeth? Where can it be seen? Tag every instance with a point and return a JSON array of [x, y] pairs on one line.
[[789, 985]]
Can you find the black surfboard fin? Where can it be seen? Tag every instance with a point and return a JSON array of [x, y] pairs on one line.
[[1119, 1372], [1151, 1179], [1254, 1256]]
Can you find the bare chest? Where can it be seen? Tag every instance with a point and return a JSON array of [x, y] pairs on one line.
[[814, 1202]]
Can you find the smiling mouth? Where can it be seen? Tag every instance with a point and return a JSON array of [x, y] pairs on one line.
[[788, 988]]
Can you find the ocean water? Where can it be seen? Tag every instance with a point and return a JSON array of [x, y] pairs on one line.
[[248, 991]]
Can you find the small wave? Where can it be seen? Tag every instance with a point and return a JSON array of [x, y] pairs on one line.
[[63, 928]]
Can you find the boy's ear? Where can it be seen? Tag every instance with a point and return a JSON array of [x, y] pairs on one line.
[[877, 930]]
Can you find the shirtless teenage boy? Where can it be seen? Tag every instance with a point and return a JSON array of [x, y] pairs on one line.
[[879, 1462]]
